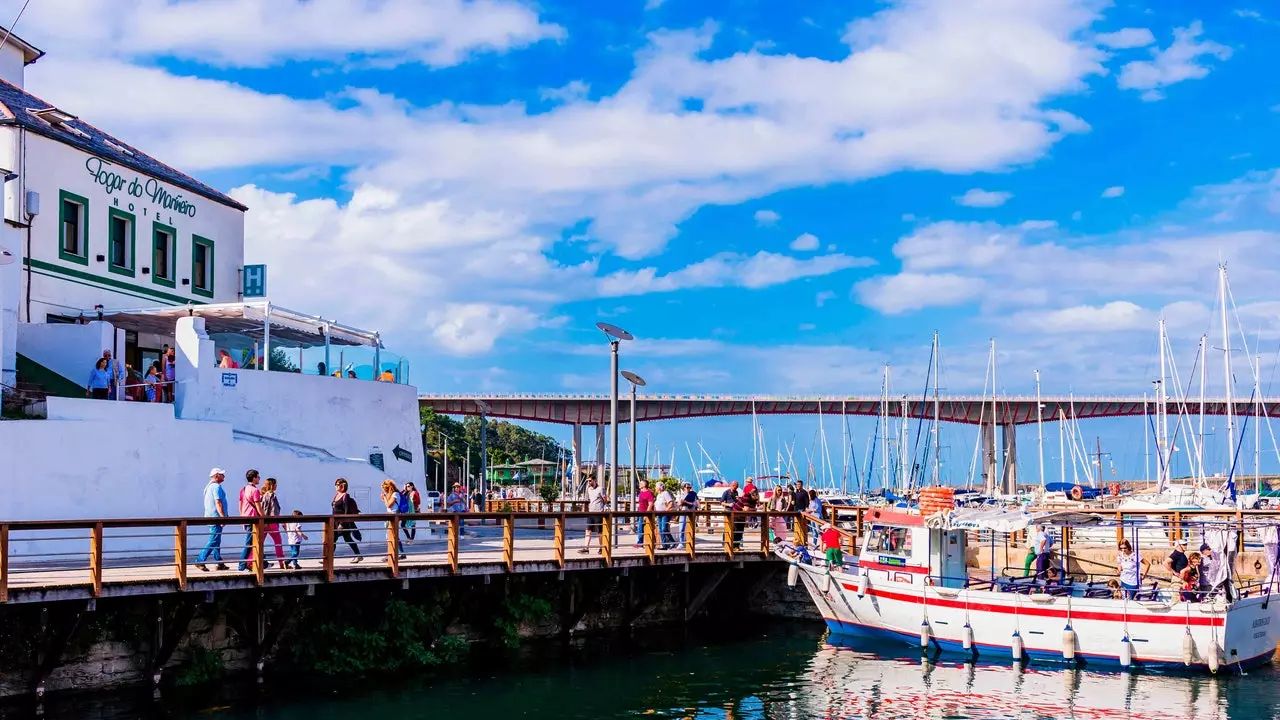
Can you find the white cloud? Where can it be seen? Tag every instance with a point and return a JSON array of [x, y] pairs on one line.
[[823, 297], [251, 33], [806, 242], [1112, 317], [653, 4], [727, 269], [1257, 193], [1126, 38], [1033, 225], [1182, 60], [905, 292], [1077, 215], [1249, 14], [1114, 191], [979, 198], [573, 92], [767, 217], [473, 328]]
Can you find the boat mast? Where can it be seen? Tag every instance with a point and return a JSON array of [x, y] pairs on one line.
[[937, 416], [884, 430], [1062, 443], [1162, 418], [844, 447], [1146, 440], [1204, 362], [1257, 426], [995, 426], [902, 448], [1040, 428], [1226, 370], [755, 439]]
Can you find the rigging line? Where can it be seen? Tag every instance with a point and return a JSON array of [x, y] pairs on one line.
[[14, 24], [924, 399]]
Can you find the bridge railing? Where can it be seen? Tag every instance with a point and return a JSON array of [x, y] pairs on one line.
[[93, 554]]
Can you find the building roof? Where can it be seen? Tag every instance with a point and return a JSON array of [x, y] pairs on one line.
[[537, 462], [19, 107], [30, 53], [289, 328]]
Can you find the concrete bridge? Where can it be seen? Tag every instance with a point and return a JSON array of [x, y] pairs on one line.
[[1004, 414]]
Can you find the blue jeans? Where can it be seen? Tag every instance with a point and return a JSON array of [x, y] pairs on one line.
[[248, 547], [212, 548], [664, 533], [294, 549], [1130, 591]]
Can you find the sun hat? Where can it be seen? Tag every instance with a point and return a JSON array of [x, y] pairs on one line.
[[217, 471]]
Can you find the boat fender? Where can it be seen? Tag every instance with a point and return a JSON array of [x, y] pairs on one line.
[[925, 635], [1126, 652], [826, 583], [1188, 648], [1077, 494], [1068, 643], [793, 574], [863, 581], [968, 638], [1215, 658], [1017, 647]]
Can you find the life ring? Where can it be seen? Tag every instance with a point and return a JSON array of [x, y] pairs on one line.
[[1115, 489], [1077, 493]]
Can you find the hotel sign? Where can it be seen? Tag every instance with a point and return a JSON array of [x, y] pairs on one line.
[[104, 174]]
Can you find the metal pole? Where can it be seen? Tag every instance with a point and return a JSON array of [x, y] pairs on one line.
[[266, 338], [445, 484], [484, 457], [613, 438], [328, 368], [1226, 372], [937, 418], [631, 418], [1040, 428]]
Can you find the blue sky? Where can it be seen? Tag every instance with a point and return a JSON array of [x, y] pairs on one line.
[[774, 197]]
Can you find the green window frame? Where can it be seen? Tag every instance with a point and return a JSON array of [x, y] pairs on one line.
[[82, 225], [130, 243], [196, 280], [169, 279]]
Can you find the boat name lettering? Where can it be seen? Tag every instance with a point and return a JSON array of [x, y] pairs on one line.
[[108, 178], [894, 561], [1261, 621]]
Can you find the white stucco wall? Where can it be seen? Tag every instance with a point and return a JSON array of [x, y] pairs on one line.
[[60, 286], [10, 292], [12, 64], [69, 350]]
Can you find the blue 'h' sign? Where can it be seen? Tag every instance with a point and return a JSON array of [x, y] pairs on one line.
[[255, 281]]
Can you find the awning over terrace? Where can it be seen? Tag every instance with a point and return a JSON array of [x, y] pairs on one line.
[[257, 322]]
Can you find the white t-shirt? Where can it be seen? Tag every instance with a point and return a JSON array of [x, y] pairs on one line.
[[295, 532], [595, 499], [664, 502], [1128, 568]]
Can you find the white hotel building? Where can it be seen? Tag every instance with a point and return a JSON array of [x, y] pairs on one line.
[[105, 247]]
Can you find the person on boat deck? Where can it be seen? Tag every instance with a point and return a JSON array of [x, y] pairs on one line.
[[1033, 539], [1132, 569], [831, 545], [1043, 546], [1052, 577], [1189, 577], [1177, 560]]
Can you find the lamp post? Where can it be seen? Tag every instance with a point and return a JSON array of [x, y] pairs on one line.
[[636, 382], [445, 484], [616, 335], [484, 450]]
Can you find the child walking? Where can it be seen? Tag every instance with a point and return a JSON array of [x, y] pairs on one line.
[[296, 536]]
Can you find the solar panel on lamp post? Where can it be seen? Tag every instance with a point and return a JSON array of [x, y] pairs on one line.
[[636, 382], [616, 335]]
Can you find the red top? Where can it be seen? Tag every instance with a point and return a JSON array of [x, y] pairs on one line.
[[746, 490], [830, 538], [644, 501]]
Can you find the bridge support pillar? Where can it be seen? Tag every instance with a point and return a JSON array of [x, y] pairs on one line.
[[1009, 475], [576, 475], [989, 458]]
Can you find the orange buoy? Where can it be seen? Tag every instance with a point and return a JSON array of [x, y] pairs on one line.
[[1077, 493]]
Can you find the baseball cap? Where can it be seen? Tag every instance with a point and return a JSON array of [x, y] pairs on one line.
[[1205, 547], [217, 471], [1180, 542]]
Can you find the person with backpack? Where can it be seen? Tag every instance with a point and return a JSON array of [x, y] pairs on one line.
[[344, 504], [414, 506], [396, 504]]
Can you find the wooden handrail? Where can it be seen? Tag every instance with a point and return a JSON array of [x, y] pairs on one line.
[[606, 541], [650, 536], [509, 542], [559, 541], [393, 548], [95, 559], [180, 554], [455, 540]]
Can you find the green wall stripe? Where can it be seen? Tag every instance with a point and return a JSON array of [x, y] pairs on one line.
[[53, 383], [110, 283]]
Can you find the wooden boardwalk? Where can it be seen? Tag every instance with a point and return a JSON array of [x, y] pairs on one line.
[[133, 557]]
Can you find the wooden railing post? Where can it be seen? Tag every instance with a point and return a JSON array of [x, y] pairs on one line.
[[764, 533], [691, 536], [259, 554], [606, 539], [180, 554], [393, 545], [4, 563], [728, 534], [802, 530], [455, 532], [650, 536], [858, 523], [509, 541], [559, 541], [95, 559], [330, 547], [1177, 525], [1119, 527]]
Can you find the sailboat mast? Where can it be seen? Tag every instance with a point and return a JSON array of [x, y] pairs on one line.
[[995, 426], [902, 448], [1162, 418], [1204, 362], [884, 431], [755, 440], [1062, 443], [844, 448], [1146, 439], [937, 417], [1040, 429], [1257, 426], [1226, 371]]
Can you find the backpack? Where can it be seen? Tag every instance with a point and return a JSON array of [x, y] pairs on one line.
[[404, 506]]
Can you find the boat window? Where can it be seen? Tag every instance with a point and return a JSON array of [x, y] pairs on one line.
[[890, 540]]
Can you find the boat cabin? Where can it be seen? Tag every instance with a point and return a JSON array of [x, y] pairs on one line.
[[900, 547]]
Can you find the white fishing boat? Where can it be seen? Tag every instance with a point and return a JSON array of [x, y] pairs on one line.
[[910, 583]]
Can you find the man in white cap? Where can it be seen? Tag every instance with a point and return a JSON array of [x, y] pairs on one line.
[[215, 505], [1176, 561]]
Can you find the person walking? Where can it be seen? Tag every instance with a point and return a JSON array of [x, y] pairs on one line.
[[271, 508], [664, 503], [597, 501], [644, 503], [215, 505], [293, 529], [739, 506], [117, 376], [392, 498], [344, 504], [99, 384], [688, 503], [250, 507], [831, 546], [414, 506]]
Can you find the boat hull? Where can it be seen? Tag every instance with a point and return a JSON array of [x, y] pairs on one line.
[[1246, 632]]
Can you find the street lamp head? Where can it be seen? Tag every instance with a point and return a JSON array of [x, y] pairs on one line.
[[484, 406], [614, 332], [633, 378]]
